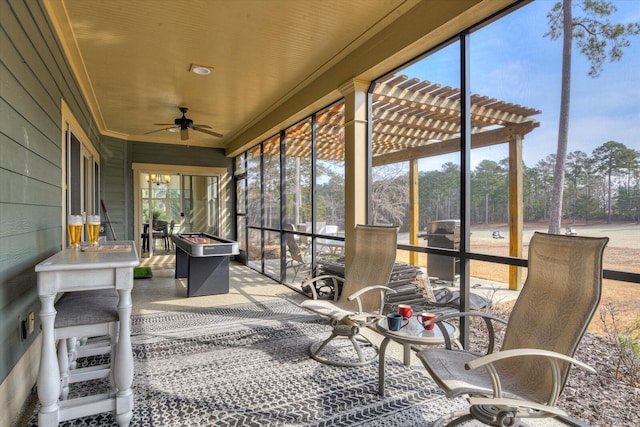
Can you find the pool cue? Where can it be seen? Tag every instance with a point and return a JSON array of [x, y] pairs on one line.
[[104, 208]]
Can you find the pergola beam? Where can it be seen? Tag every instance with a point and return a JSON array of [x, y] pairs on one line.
[[478, 140]]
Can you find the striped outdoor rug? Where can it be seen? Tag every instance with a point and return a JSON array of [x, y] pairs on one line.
[[248, 365]]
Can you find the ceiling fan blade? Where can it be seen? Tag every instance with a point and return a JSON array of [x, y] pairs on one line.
[[202, 126], [210, 132], [158, 130], [164, 124], [184, 134]]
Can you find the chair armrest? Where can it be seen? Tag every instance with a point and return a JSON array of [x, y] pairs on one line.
[[551, 356], [519, 352], [381, 288], [335, 280], [487, 318]]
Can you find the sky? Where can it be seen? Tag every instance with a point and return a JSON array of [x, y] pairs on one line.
[[512, 61]]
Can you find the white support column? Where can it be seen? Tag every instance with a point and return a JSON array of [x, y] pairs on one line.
[[356, 159]]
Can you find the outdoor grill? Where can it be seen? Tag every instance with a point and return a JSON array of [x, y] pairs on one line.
[[443, 234]]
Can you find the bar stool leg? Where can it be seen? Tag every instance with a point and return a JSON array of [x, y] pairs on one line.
[[113, 333], [123, 364], [63, 366], [48, 375], [72, 347]]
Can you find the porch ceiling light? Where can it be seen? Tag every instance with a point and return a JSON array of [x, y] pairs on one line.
[[201, 70]]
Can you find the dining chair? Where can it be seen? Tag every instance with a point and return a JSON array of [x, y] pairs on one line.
[[145, 237], [161, 232]]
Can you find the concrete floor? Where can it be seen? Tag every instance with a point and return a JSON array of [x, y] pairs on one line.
[[163, 292]]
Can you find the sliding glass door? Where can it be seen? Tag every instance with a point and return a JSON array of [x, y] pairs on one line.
[[186, 196], [200, 204]]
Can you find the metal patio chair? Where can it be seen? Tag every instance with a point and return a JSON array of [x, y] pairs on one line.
[[361, 301], [299, 259], [525, 378]]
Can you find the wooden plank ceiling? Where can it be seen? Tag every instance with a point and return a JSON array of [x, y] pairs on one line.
[[413, 119]]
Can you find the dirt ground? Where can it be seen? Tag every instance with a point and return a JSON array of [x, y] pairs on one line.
[[622, 253]]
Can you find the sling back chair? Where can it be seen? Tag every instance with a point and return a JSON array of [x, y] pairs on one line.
[[361, 301], [299, 259], [525, 378]]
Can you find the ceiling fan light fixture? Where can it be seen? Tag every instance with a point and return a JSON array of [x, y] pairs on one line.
[[200, 69], [183, 124]]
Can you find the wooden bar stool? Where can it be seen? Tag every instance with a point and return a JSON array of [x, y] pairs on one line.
[[82, 315]]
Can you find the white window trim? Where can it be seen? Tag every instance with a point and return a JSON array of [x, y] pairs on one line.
[[71, 124]]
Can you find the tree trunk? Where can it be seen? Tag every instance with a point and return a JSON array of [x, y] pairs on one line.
[[609, 197], [486, 208], [563, 125]]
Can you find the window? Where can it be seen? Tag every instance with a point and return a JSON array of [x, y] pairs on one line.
[[271, 182], [298, 180], [513, 114], [81, 165], [330, 171], [261, 187]]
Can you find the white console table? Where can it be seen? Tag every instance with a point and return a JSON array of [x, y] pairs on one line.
[[73, 270]]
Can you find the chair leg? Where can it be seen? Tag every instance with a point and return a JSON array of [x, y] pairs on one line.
[[356, 346], [63, 366], [323, 344], [296, 268], [495, 415], [488, 415], [453, 419], [352, 333]]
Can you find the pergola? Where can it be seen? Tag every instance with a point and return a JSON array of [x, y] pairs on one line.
[[415, 119]]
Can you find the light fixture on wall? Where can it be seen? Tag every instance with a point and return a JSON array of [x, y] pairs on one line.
[[158, 178]]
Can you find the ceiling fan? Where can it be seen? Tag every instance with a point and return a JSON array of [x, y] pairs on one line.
[[183, 124]]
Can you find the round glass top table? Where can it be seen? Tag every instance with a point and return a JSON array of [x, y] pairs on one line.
[[413, 333]]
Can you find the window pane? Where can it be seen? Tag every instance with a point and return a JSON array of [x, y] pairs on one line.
[[390, 195], [272, 254], [241, 234], [416, 157], [513, 62], [330, 171], [254, 189], [506, 120], [241, 195], [298, 179], [239, 165], [298, 262], [255, 248], [271, 182]]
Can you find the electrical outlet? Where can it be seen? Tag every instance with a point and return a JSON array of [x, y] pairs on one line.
[[24, 333], [31, 323]]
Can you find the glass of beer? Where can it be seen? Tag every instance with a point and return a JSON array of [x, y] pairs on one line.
[[93, 229], [74, 225]]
